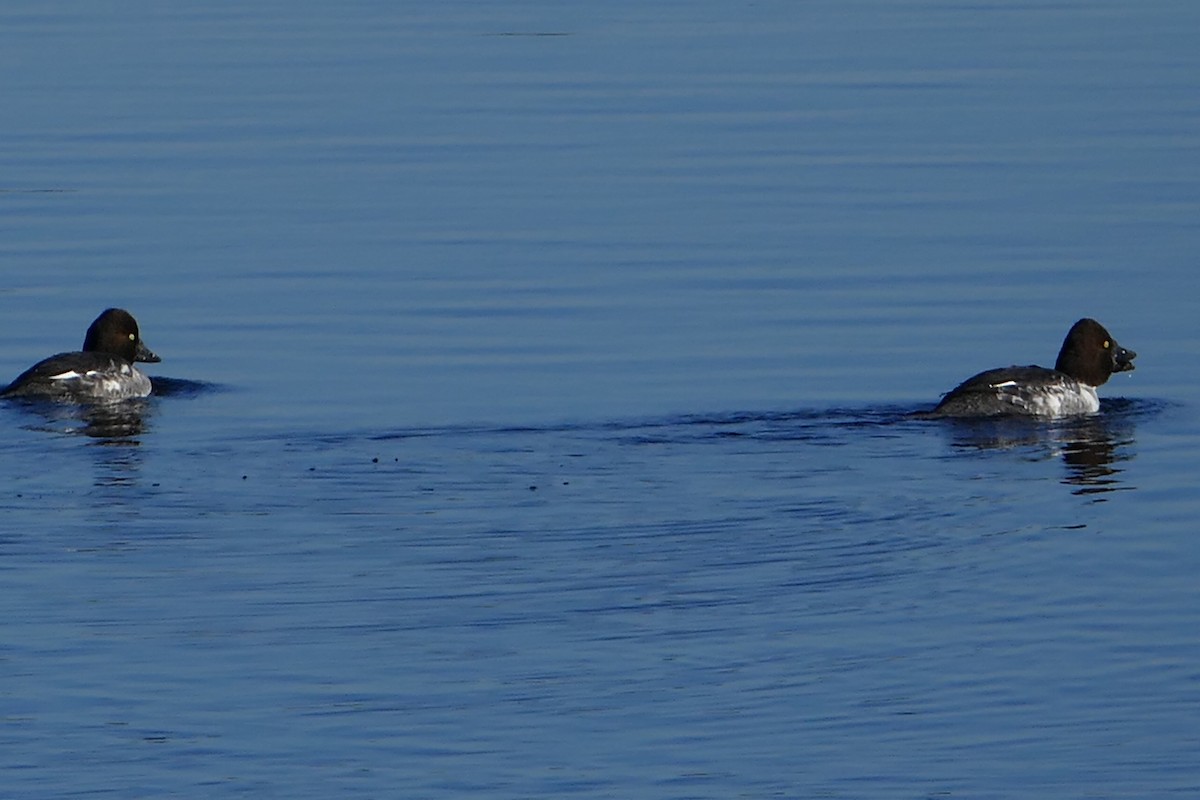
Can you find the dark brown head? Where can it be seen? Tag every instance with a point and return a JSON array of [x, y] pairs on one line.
[[1090, 354], [116, 332]]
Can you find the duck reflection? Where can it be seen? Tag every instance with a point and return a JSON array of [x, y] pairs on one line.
[[1092, 447], [121, 421], [1092, 450], [126, 420]]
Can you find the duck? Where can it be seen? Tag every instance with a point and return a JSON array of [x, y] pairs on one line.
[[1088, 358], [102, 371]]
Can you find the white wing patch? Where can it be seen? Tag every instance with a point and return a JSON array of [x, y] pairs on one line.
[[123, 384], [1060, 399]]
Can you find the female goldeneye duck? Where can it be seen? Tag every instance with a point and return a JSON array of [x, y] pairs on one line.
[[102, 371], [1089, 355]]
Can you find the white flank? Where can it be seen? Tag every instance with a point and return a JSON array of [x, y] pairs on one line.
[[108, 385]]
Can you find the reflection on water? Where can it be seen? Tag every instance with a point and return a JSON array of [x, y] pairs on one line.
[[116, 431], [1091, 447], [125, 420], [1096, 445]]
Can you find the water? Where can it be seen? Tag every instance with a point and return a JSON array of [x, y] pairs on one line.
[[533, 418]]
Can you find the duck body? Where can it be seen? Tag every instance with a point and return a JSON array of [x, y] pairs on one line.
[[1088, 357]]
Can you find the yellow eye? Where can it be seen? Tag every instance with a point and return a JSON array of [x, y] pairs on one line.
[[1107, 344], [133, 338]]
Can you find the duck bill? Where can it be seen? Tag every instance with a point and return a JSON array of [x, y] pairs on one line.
[[146, 354], [1122, 359]]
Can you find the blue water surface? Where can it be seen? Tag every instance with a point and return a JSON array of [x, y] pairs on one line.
[[535, 417]]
